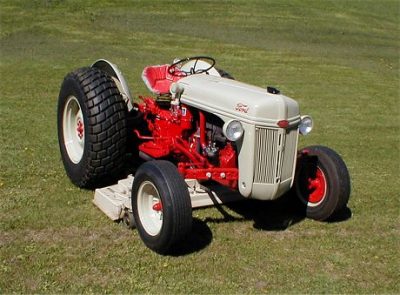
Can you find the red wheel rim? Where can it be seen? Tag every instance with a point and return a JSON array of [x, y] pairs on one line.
[[316, 186], [79, 128]]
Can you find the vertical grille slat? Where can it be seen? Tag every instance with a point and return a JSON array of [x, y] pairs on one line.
[[290, 154], [274, 154], [265, 155]]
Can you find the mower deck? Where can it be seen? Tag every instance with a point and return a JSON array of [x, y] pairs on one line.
[[114, 200]]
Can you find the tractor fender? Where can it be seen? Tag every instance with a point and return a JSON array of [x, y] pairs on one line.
[[119, 79]]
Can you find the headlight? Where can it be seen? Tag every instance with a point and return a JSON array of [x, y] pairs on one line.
[[233, 130], [306, 125]]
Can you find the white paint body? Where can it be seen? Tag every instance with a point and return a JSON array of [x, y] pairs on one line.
[[267, 153]]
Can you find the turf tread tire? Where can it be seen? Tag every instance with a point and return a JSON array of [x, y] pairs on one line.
[[104, 114]]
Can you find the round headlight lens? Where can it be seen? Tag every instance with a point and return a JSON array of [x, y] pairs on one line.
[[306, 125], [233, 130]]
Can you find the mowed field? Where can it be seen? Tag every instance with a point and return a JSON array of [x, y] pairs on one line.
[[339, 59]]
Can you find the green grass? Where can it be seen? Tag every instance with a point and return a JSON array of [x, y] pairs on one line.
[[339, 59]]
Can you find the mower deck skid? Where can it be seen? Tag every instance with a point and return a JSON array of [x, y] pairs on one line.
[[114, 200]]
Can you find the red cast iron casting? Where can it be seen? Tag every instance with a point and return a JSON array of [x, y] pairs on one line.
[[179, 133]]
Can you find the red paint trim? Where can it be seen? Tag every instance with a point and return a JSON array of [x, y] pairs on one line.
[[141, 136], [283, 123], [176, 136], [80, 129], [157, 206], [202, 129], [317, 186]]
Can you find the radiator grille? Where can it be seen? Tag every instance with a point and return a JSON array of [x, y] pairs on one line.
[[290, 152], [275, 150]]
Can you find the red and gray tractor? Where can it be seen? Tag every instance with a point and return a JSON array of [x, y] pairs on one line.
[[199, 126]]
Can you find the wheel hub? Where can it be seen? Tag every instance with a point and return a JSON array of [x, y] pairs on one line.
[[73, 129], [150, 208], [317, 187], [157, 207], [79, 128]]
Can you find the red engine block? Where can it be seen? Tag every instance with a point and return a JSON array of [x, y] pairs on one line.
[[177, 133]]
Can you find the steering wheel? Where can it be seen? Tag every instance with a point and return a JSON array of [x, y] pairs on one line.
[[175, 68]]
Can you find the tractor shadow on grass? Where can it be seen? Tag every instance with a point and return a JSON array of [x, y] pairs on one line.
[[199, 238], [276, 215], [271, 216], [342, 215]]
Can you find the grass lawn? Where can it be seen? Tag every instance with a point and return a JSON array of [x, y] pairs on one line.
[[339, 59]]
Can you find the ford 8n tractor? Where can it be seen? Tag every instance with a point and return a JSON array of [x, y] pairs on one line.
[[200, 125]]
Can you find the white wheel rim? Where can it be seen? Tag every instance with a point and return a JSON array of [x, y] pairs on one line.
[[150, 208], [73, 129]]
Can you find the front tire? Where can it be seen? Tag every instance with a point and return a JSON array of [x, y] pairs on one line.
[[92, 127], [322, 182], [161, 205]]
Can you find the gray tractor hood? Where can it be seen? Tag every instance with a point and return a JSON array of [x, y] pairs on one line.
[[237, 100]]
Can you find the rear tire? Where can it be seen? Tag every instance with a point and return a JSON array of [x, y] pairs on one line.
[[161, 205], [92, 127], [322, 182]]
